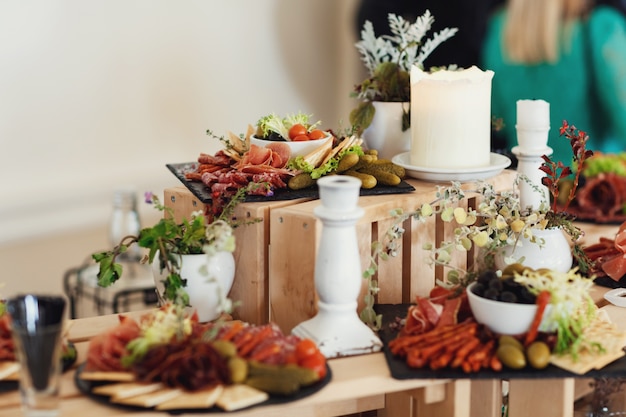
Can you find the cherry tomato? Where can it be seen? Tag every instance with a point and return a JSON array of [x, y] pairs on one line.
[[317, 134], [297, 130], [305, 348], [300, 138], [316, 362]]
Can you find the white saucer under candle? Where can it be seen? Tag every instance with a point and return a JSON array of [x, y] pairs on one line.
[[451, 118]]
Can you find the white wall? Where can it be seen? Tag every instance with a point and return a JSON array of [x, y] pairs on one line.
[[99, 94]]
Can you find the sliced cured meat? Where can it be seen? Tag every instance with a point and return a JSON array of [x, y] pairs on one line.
[[283, 150], [218, 159], [257, 156], [107, 349], [449, 314]]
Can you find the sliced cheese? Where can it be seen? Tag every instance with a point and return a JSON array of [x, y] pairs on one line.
[[151, 399], [127, 389], [238, 396], [316, 157], [205, 398]]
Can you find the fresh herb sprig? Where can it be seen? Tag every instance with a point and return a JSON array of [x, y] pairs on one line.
[[556, 172]]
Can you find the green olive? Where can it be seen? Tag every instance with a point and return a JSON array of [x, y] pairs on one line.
[[510, 340], [511, 357], [238, 368], [511, 269], [538, 354], [225, 348]]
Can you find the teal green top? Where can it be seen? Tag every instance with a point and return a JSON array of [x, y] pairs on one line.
[[586, 87]]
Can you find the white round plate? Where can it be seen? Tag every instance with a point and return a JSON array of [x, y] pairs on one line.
[[497, 162], [616, 297]]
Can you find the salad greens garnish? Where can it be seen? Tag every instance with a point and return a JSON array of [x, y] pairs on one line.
[[572, 308], [167, 323], [273, 123]]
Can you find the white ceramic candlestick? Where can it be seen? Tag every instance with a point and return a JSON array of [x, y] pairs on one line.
[[533, 125], [337, 329], [531, 191]]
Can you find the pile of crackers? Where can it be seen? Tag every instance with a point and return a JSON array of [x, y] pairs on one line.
[[121, 388], [600, 332]]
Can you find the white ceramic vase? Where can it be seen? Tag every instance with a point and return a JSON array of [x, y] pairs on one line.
[[556, 253], [385, 132], [205, 289]]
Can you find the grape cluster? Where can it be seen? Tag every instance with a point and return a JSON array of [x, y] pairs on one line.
[[489, 285]]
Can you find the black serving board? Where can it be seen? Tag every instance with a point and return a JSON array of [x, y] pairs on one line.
[[7, 386], [203, 193], [400, 370], [86, 387]]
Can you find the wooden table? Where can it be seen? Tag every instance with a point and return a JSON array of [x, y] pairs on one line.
[[359, 384]]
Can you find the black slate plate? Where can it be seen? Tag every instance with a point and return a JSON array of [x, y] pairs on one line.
[[400, 370], [7, 386], [203, 194], [86, 388]]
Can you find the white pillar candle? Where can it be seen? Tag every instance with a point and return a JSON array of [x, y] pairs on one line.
[[533, 114], [450, 118]]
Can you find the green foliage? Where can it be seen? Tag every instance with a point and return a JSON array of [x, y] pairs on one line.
[[389, 59], [170, 240]]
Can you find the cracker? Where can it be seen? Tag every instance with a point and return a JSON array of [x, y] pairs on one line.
[[602, 332], [9, 370], [238, 396], [204, 398], [151, 399], [127, 389], [107, 376]]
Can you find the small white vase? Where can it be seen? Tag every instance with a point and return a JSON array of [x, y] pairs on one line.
[[385, 132], [555, 254], [205, 289]]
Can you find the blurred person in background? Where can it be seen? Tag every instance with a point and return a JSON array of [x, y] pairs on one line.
[[571, 53], [469, 16]]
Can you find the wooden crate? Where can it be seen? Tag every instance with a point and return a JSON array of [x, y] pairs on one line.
[[295, 234], [276, 258], [250, 286]]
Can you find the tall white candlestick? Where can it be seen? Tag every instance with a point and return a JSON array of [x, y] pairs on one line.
[[451, 118]]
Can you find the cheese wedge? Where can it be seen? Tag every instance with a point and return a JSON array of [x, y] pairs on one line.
[[238, 396], [151, 399], [106, 376], [205, 398], [127, 389]]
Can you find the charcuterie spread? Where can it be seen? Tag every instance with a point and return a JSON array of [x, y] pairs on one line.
[[271, 158], [445, 331], [168, 360]]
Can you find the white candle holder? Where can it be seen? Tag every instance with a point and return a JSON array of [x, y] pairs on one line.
[[337, 329], [531, 191], [533, 126]]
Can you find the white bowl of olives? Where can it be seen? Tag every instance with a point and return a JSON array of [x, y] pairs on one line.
[[503, 305]]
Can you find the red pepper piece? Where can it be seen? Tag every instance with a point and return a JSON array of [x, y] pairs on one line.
[[542, 301]]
